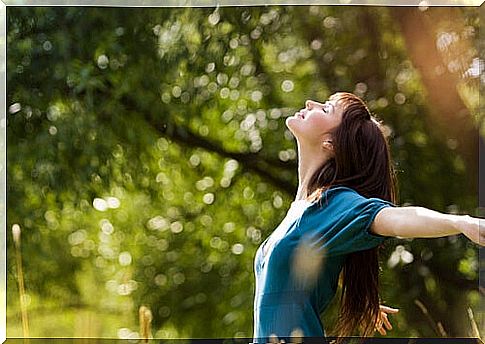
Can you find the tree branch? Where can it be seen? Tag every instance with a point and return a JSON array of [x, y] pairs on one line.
[[250, 161]]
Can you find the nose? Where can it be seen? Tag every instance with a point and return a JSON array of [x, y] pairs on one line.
[[308, 104]]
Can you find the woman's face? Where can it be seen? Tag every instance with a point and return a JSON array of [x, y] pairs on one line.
[[315, 123]]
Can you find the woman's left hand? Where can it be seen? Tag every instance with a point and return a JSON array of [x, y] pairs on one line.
[[382, 322]]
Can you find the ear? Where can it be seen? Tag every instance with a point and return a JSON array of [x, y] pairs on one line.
[[327, 145]]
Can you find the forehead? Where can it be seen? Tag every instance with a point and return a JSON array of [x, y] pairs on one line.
[[336, 99], [338, 103]]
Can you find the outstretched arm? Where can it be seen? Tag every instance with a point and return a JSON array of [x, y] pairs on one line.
[[419, 222]]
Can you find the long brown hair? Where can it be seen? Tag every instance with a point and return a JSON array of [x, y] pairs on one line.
[[362, 162]]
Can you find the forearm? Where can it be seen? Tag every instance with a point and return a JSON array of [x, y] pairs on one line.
[[417, 222]]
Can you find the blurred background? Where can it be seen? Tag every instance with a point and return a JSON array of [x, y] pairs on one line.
[[148, 158]]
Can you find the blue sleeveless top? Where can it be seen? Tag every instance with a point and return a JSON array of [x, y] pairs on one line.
[[298, 265]]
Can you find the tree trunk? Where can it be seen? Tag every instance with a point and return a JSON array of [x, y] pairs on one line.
[[449, 117]]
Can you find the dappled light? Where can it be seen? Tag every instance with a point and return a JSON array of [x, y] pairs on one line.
[[148, 161], [307, 264]]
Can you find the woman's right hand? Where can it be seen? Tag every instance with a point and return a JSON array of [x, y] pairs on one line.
[[473, 228]]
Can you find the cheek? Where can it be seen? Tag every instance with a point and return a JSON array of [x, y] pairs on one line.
[[326, 124], [319, 124]]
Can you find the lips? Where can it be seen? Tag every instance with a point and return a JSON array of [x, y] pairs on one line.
[[300, 115]]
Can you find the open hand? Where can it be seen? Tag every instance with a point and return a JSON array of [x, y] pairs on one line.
[[382, 322], [473, 228]]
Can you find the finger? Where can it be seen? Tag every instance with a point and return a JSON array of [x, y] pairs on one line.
[[387, 324], [388, 309], [382, 331]]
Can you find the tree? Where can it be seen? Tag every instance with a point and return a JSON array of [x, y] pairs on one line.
[[147, 154]]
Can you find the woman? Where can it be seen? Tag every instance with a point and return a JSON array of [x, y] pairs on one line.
[[344, 208]]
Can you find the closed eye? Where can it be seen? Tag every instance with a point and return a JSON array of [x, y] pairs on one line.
[[325, 107]]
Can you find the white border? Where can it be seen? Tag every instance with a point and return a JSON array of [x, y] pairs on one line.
[[223, 3], [3, 173], [137, 3]]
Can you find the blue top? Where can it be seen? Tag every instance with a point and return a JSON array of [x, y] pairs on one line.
[[298, 266]]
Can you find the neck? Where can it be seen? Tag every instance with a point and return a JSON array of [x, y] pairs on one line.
[[309, 161]]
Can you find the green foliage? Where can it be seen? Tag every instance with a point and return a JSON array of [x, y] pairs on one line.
[[148, 158]]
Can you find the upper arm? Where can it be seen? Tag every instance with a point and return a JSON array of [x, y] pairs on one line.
[[383, 222], [414, 222]]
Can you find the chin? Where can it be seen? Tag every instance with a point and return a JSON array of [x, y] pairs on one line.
[[290, 124]]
